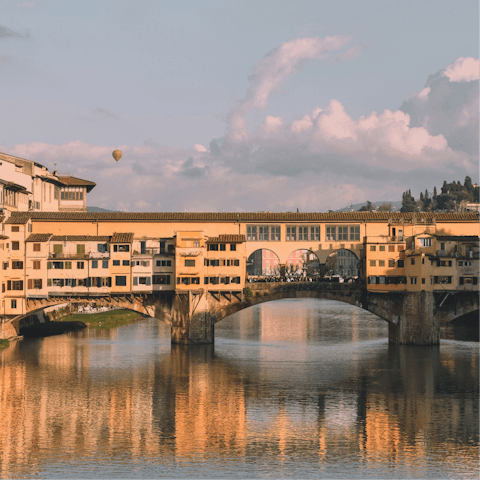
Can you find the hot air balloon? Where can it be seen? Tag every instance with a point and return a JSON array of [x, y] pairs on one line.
[[117, 155]]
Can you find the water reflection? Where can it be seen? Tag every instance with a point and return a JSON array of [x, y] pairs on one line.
[[301, 388]]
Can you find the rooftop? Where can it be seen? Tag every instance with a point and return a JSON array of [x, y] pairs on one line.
[[76, 182], [248, 216]]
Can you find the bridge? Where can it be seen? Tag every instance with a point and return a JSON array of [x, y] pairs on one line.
[[414, 318]]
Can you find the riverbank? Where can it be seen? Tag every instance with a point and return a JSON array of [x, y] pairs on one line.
[[109, 319]]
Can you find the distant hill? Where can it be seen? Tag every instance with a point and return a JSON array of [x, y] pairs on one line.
[[396, 206], [98, 209]]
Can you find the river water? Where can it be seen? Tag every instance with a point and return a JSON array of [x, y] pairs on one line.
[[293, 388]]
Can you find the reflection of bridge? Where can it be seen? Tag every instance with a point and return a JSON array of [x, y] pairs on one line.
[[413, 317]]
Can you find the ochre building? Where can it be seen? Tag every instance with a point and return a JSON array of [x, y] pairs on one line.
[[99, 254]]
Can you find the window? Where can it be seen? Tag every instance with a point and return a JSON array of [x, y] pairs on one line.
[[121, 248], [55, 265], [116, 263], [443, 279], [391, 248], [251, 233], [162, 247], [275, 233], [57, 248], [14, 285], [342, 233], [331, 233], [213, 247], [236, 263], [413, 280], [195, 280], [425, 242], [104, 263], [142, 281], [302, 233], [34, 284], [381, 248], [101, 247], [13, 303], [391, 263], [5, 265], [233, 247], [68, 265], [164, 263], [143, 247], [381, 263], [291, 233], [17, 265], [315, 233], [125, 263], [354, 234], [373, 248], [373, 263], [80, 265], [94, 263], [400, 248], [183, 280], [15, 228], [36, 247], [401, 263], [423, 281], [196, 244], [263, 233], [36, 264], [189, 263], [161, 279], [223, 247], [80, 249], [120, 280], [15, 245], [412, 261]]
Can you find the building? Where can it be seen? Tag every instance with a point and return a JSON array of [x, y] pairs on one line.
[[101, 254], [27, 186]]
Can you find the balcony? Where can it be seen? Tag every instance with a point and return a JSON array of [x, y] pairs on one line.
[[79, 256], [386, 239], [147, 251]]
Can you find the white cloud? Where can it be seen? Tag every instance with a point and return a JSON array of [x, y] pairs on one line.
[[324, 159], [463, 70]]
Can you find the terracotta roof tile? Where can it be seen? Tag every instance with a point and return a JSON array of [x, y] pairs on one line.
[[459, 238], [251, 217], [122, 238], [18, 218], [38, 237], [76, 182], [227, 239], [79, 238]]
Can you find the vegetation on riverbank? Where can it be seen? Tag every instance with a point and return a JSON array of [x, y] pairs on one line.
[[4, 343], [110, 319]]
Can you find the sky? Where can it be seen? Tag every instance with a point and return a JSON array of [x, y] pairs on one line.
[[239, 105]]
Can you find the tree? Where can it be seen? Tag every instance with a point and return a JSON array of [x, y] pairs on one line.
[[385, 207], [408, 202], [366, 208], [434, 192], [468, 184]]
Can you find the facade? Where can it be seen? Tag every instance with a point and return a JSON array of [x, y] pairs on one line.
[[42, 253], [27, 186]]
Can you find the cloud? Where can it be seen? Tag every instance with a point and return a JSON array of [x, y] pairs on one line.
[[7, 33], [448, 105], [270, 72], [325, 159], [463, 70]]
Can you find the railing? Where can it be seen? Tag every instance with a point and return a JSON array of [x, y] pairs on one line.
[[147, 251], [385, 239], [78, 256]]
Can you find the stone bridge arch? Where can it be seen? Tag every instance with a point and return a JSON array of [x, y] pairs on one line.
[[157, 306]]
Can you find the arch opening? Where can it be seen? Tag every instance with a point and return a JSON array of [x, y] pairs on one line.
[[263, 262], [342, 262], [304, 263]]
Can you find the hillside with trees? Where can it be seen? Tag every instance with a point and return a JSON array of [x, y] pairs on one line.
[[454, 197]]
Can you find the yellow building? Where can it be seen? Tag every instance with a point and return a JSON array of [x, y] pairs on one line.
[[67, 253]]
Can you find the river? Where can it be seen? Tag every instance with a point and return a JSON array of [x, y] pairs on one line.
[[292, 388]]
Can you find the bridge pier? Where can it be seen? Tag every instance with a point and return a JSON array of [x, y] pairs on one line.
[[417, 324], [191, 322]]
